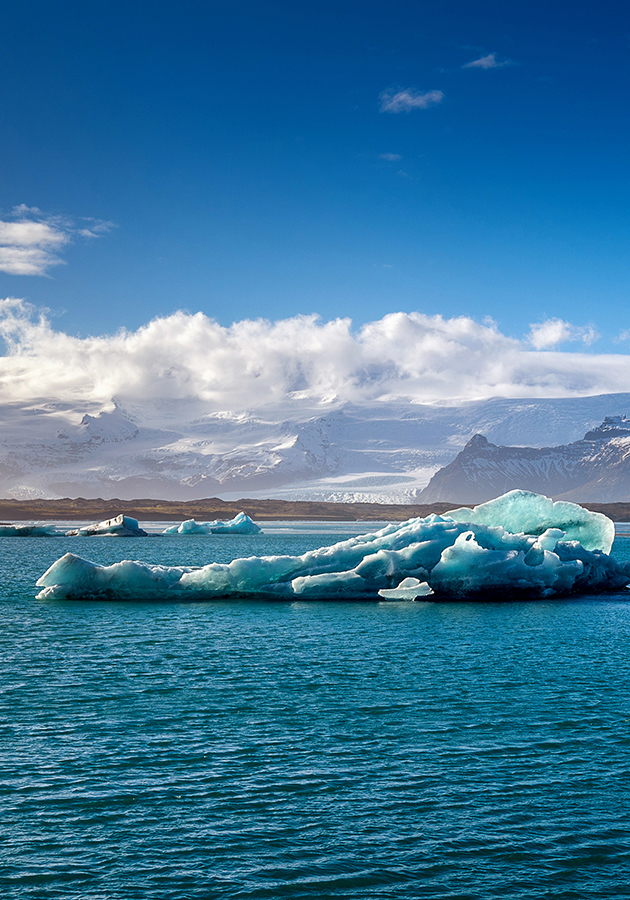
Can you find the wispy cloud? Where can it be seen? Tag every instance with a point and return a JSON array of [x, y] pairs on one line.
[[408, 99], [551, 332], [31, 241], [391, 157], [253, 363], [488, 62]]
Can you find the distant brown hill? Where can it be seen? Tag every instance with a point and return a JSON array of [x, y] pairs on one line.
[[149, 510], [213, 508]]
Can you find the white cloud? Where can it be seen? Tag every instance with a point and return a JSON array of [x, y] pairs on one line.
[[254, 363], [552, 332], [391, 157], [487, 62], [30, 241], [408, 99]]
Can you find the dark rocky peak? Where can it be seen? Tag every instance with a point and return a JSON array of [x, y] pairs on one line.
[[476, 443], [612, 426]]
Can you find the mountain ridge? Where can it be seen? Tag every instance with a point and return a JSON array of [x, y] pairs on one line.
[[377, 452], [595, 469]]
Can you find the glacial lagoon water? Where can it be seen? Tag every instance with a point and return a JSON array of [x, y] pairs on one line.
[[308, 750]]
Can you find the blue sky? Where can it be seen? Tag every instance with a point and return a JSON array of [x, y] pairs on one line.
[[261, 159]]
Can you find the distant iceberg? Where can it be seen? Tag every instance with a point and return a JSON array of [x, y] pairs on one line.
[[118, 526], [240, 524], [24, 529], [436, 556]]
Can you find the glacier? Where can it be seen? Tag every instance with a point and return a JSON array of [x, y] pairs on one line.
[[436, 556], [240, 524], [297, 448]]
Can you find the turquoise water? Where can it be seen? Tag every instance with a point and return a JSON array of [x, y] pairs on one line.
[[313, 750]]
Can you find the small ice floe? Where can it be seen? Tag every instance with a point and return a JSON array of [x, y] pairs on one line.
[[118, 526], [408, 589], [240, 524], [451, 558], [28, 529]]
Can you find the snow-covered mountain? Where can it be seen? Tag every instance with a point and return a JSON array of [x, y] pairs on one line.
[[596, 468], [385, 451]]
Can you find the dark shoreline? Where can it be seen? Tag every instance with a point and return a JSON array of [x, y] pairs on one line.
[[213, 508]]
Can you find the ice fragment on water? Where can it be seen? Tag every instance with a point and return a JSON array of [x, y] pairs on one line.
[[118, 526], [240, 524]]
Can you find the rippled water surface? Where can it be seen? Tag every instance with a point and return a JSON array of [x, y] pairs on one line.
[[302, 750]]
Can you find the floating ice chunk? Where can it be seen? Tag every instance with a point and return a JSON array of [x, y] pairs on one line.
[[240, 524], [528, 513], [119, 526], [402, 561], [77, 577], [29, 530], [408, 589]]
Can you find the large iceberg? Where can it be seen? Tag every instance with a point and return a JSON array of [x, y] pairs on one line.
[[436, 556], [240, 524]]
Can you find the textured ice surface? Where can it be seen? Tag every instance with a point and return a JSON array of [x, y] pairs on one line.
[[455, 559], [523, 511], [240, 524], [29, 530], [119, 526]]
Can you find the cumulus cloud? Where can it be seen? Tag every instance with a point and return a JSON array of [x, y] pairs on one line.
[[30, 241], [391, 157], [552, 332], [408, 99], [487, 62], [255, 363]]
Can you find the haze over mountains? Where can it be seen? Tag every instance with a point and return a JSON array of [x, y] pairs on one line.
[[383, 451]]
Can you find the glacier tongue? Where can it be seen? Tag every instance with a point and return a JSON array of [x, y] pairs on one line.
[[454, 559]]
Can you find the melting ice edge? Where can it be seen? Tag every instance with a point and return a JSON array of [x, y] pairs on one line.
[[521, 544]]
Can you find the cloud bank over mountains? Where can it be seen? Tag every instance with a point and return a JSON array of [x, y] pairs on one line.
[[253, 363]]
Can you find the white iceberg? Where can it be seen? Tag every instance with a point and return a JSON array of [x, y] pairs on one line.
[[240, 524], [30, 529], [405, 560], [408, 589], [118, 526]]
